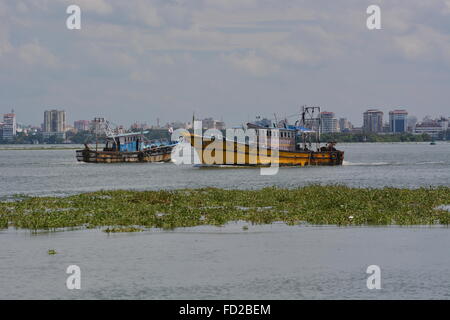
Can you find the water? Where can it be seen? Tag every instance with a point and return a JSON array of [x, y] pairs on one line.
[[266, 262], [56, 172]]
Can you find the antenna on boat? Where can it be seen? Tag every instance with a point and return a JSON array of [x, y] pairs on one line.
[[319, 129], [302, 108], [303, 124], [313, 123]]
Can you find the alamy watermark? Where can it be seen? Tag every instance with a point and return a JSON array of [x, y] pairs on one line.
[[374, 280], [238, 147], [374, 20], [73, 22], [74, 280]]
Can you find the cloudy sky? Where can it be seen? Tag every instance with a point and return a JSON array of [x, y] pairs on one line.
[[139, 60]]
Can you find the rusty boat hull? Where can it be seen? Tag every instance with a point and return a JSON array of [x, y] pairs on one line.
[[160, 154]]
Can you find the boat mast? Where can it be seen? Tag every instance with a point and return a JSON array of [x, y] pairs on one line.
[[109, 132], [303, 125], [308, 114], [96, 124], [319, 129]]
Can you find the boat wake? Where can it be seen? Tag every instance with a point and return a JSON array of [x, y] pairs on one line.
[[348, 163], [431, 162]]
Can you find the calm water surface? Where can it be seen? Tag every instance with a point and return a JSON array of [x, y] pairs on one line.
[[50, 172], [266, 262]]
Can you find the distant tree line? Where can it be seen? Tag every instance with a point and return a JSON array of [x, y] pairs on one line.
[[38, 138], [79, 137], [88, 137], [373, 137]]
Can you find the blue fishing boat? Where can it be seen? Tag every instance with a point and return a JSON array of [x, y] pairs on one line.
[[128, 147]]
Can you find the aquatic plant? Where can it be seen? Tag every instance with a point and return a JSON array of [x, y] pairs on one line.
[[130, 211], [122, 229], [51, 251]]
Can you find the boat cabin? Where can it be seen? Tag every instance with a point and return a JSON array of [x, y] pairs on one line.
[[291, 138], [287, 137], [126, 142]]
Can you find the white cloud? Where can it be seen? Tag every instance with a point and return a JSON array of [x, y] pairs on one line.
[[261, 17], [5, 45], [145, 12], [101, 7], [231, 4], [181, 44], [293, 53], [424, 44], [447, 6], [251, 63], [36, 55], [31, 54]]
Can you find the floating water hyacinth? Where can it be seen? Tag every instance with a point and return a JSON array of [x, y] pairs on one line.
[[130, 211], [122, 229]]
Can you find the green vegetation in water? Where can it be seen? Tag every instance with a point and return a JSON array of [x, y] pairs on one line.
[[129, 211], [122, 229], [51, 251]]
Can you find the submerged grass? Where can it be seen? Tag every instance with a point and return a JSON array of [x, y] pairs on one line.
[[129, 211]]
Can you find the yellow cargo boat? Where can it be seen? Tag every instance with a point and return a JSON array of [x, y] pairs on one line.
[[282, 146]]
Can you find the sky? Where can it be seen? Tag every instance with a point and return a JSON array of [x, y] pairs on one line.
[[232, 60]]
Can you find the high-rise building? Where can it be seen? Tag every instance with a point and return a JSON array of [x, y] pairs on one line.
[[329, 122], [139, 126], [412, 121], [9, 126], [432, 127], [82, 125], [373, 121], [54, 123], [98, 125], [444, 123], [398, 121], [345, 125], [210, 123], [177, 125]]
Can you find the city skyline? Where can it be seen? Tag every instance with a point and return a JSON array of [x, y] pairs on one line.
[[161, 122], [230, 59]]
